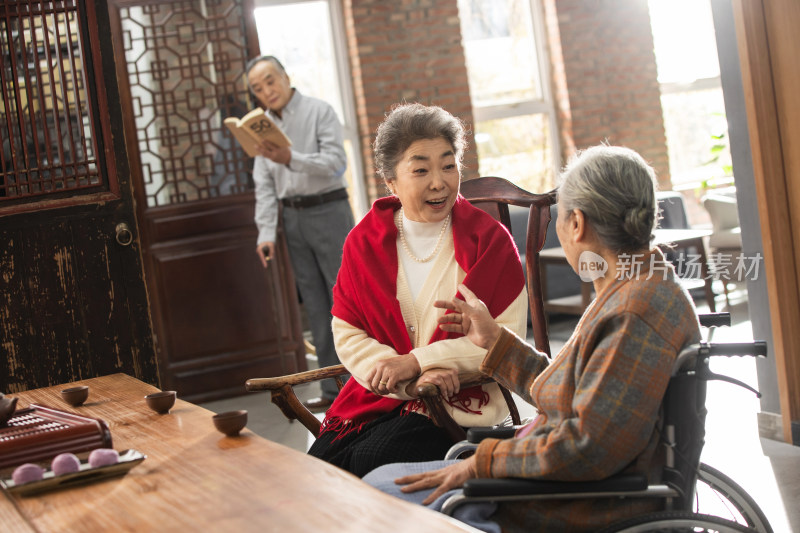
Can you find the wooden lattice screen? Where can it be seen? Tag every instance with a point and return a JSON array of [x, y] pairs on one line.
[[185, 62], [49, 145]]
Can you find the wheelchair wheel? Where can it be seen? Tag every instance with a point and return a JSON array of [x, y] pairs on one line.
[[676, 522], [718, 494]]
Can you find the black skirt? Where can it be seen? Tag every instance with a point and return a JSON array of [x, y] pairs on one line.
[[391, 438]]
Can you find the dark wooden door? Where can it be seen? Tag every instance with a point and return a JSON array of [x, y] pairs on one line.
[[73, 303], [218, 317]]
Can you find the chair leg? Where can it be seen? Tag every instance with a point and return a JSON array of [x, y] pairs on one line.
[[292, 408], [727, 296]]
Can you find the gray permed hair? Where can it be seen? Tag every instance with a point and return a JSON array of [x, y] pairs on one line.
[[615, 189], [408, 123]]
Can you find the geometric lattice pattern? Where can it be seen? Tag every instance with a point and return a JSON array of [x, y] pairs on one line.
[[46, 123], [186, 64]]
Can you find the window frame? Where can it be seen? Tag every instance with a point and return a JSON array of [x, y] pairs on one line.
[[544, 106], [97, 103]]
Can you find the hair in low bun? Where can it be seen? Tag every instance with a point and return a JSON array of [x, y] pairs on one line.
[[639, 225], [615, 189]]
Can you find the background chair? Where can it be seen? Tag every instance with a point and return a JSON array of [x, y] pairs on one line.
[[725, 243], [563, 290], [493, 195]]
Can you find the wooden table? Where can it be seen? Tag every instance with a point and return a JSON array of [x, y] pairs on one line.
[[681, 238], [196, 479]]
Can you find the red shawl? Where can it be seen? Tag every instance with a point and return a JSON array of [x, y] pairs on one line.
[[365, 292]]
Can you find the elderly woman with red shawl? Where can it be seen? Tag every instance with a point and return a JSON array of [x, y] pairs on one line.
[[413, 248]]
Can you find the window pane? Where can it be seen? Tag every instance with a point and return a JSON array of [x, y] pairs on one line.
[[684, 39], [518, 149], [186, 76], [299, 35], [696, 135], [48, 144], [500, 51]]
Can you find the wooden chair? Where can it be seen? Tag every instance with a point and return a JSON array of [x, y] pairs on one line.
[[493, 195]]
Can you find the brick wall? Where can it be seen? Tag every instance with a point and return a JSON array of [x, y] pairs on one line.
[[610, 73], [603, 69], [406, 51]]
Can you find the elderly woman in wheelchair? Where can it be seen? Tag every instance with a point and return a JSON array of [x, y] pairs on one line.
[[599, 400]]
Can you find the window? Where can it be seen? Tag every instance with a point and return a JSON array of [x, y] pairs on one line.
[[515, 129], [185, 63], [691, 93], [308, 38], [50, 137]]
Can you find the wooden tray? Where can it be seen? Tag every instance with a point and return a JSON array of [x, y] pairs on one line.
[[127, 460]]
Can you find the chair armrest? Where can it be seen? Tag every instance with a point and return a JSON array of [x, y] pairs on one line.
[[282, 394], [429, 394], [477, 434], [261, 384], [429, 390], [524, 487]]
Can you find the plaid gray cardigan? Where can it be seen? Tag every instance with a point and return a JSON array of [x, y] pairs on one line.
[[598, 400]]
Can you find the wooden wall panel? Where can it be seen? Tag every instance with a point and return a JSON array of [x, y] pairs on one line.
[[219, 316], [66, 309]]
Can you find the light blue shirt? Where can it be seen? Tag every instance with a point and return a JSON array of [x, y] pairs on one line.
[[317, 166]]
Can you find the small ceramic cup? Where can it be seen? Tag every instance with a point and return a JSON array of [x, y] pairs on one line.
[[75, 396], [230, 423], [161, 402]]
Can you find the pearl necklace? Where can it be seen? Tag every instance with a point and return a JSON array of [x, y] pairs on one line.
[[408, 249]]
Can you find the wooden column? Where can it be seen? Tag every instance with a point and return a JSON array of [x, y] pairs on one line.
[[768, 45]]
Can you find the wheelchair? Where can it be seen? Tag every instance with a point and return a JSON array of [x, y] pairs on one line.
[[684, 477]]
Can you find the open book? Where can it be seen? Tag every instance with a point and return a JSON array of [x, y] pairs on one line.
[[255, 127]]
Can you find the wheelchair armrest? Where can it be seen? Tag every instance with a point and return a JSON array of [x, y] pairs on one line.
[[477, 434], [524, 487]]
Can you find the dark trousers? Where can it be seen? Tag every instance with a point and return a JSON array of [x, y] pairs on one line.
[[315, 237], [391, 438]]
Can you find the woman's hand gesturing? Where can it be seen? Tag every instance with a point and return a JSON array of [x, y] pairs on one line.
[[470, 317], [387, 373]]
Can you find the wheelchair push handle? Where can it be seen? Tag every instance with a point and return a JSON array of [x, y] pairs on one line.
[[730, 349], [702, 352], [713, 320]]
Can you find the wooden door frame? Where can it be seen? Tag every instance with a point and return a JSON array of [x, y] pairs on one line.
[[173, 232], [768, 46]]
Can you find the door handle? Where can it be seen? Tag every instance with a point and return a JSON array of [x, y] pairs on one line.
[[124, 234]]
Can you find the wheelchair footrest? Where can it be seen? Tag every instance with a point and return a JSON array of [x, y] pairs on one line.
[[516, 487]]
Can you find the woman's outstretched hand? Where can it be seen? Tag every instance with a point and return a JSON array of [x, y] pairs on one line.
[[470, 317], [447, 478]]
